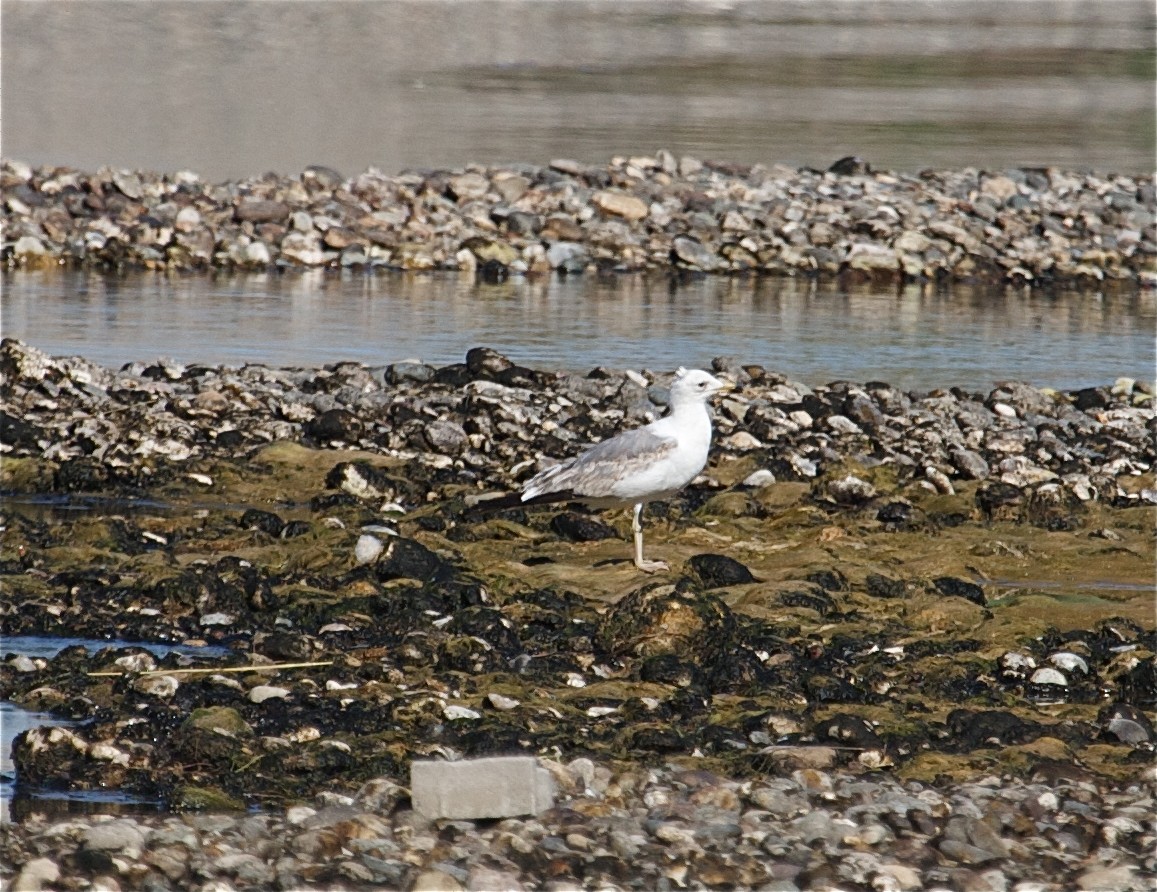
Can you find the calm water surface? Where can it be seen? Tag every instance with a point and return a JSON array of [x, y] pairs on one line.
[[913, 337], [235, 89]]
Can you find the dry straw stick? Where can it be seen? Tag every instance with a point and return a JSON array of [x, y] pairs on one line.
[[268, 668]]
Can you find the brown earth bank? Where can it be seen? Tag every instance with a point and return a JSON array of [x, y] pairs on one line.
[[1039, 227], [935, 594]]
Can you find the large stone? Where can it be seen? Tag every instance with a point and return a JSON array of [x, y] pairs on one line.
[[620, 204], [36, 874], [474, 789]]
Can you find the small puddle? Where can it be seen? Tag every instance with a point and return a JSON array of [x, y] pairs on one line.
[[47, 646], [58, 507], [17, 801], [1100, 585]]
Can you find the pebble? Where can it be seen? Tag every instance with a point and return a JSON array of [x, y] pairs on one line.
[[263, 692], [628, 214]]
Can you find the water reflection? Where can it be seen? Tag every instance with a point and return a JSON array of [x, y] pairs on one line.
[[235, 89], [914, 336]]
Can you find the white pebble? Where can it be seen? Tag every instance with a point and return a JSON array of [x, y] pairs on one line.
[[264, 692], [762, 477], [367, 548]]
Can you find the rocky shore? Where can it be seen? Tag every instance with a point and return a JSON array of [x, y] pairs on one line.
[[1023, 227], [907, 640], [630, 828]]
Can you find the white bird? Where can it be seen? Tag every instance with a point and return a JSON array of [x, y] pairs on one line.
[[635, 467]]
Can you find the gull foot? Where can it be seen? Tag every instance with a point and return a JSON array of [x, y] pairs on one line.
[[652, 566]]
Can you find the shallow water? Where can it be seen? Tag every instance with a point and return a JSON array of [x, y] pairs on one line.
[[912, 337], [14, 720], [232, 90]]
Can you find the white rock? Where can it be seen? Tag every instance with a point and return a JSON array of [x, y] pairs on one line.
[[1069, 662], [500, 702], [29, 245], [162, 686], [23, 663], [762, 477], [1048, 675], [367, 548], [264, 692], [453, 711], [257, 252], [939, 480], [188, 218], [218, 619], [843, 425], [297, 815], [143, 662], [35, 874]]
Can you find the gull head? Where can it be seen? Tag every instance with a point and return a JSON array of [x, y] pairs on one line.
[[697, 386]]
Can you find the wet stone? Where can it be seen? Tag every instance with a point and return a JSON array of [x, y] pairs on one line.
[[407, 558], [265, 521], [959, 588], [719, 570], [581, 528]]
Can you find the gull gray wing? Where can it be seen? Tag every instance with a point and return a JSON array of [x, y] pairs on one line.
[[594, 473]]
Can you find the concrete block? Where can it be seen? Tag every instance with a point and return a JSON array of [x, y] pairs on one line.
[[472, 789]]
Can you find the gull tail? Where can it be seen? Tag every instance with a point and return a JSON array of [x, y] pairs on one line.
[[515, 500]]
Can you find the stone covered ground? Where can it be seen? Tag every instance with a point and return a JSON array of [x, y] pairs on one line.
[[1043, 227], [907, 640]]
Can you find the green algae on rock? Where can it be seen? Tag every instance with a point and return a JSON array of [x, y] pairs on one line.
[[934, 625]]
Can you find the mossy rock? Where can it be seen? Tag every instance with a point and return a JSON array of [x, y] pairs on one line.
[[221, 720], [191, 798]]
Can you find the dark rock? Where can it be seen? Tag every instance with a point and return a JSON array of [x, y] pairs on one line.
[[1138, 686], [849, 166], [669, 669], [895, 514], [719, 570], [1000, 502], [483, 362], [295, 528], [882, 587], [580, 527], [829, 580], [950, 586], [338, 425], [817, 600], [18, 432], [82, 475], [286, 646], [265, 521], [1054, 508], [409, 559], [972, 729], [848, 730], [1091, 398]]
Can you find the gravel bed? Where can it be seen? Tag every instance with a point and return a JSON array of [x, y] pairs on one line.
[[663, 828], [1040, 227]]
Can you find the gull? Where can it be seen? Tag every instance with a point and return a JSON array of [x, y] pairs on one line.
[[634, 467]]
